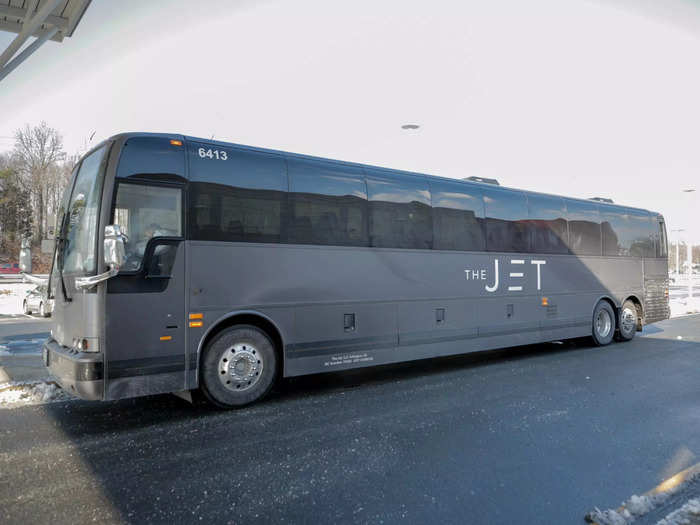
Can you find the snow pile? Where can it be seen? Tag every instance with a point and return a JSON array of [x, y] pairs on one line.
[[633, 508], [686, 515], [11, 297], [638, 506], [17, 394]]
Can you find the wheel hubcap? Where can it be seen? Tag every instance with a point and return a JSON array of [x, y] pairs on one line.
[[628, 320], [603, 323], [240, 367]]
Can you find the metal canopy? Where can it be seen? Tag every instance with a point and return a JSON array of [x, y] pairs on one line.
[[39, 19]]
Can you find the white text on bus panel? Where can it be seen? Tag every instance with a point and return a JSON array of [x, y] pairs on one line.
[[515, 284]]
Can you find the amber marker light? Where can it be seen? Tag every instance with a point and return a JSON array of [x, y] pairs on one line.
[[166, 337], [545, 301], [195, 324], [176, 142], [196, 316]]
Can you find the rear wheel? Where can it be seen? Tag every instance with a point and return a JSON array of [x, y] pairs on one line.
[[603, 324], [629, 318], [42, 311], [239, 366], [25, 308]]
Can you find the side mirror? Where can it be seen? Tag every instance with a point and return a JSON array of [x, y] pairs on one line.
[[114, 256], [114, 251], [160, 257]]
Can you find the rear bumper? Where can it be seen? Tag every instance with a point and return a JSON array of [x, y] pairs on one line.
[[78, 373]]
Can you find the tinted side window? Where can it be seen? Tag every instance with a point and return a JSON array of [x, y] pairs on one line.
[[458, 214], [242, 198], [547, 224], [328, 204], [661, 246], [400, 213], [614, 225], [642, 233], [506, 221], [584, 227], [626, 232]]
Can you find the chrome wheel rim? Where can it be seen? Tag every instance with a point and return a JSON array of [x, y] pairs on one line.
[[628, 320], [603, 323], [240, 367]]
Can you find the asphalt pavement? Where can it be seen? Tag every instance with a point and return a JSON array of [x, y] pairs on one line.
[[539, 434], [20, 348]]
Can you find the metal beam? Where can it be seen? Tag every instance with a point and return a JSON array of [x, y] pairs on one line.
[[10, 66], [17, 12], [28, 29], [30, 8], [14, 27]]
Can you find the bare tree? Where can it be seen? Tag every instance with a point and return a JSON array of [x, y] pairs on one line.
[[37, 152], [15, 209]]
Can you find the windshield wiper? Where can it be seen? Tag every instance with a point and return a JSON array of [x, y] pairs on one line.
[[61, 243]]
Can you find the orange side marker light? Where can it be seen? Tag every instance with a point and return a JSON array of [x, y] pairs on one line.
[[545, 301], [166, 337], [196, 324], [176, 142], [196, 316]]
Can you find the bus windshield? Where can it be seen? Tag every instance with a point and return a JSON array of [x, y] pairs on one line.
[[80, 226]]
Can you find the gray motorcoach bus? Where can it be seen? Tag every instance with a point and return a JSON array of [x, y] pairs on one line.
[[183, 264]]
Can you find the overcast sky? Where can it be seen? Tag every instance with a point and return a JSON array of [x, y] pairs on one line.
[[579, 98]]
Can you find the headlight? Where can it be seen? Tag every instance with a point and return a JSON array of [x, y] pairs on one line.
[[86, 344]]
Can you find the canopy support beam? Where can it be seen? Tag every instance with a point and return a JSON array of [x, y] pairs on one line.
[[28, 28], [41, 39]]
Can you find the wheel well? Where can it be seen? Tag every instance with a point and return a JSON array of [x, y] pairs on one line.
[[250, 319], [610, 302]]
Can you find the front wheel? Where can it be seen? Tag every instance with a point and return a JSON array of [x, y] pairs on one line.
[[42, 310], [603, 324], [239, 366], [629, 319], [25, 308]]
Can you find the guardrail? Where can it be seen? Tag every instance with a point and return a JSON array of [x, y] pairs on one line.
[[12, 278]]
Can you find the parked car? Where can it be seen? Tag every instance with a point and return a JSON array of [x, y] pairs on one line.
[[9, 268], [37, 300]]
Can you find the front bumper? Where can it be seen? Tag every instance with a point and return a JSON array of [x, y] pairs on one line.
[[79, 373]]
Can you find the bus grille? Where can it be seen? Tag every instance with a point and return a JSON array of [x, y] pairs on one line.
[[656, 306]]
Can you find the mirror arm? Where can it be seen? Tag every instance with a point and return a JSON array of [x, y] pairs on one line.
[[34, 279], [85, 283]]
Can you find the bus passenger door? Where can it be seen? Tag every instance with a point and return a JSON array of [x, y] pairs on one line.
[[145, 302]]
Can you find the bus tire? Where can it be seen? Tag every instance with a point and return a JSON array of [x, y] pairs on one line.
[[603, 324], [25, 308], [629, 318], [239, 366]]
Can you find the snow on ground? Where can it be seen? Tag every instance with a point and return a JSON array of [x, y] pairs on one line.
[[684, 306], [638, 506], [686, 515], [17, 394], [11, 297]]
